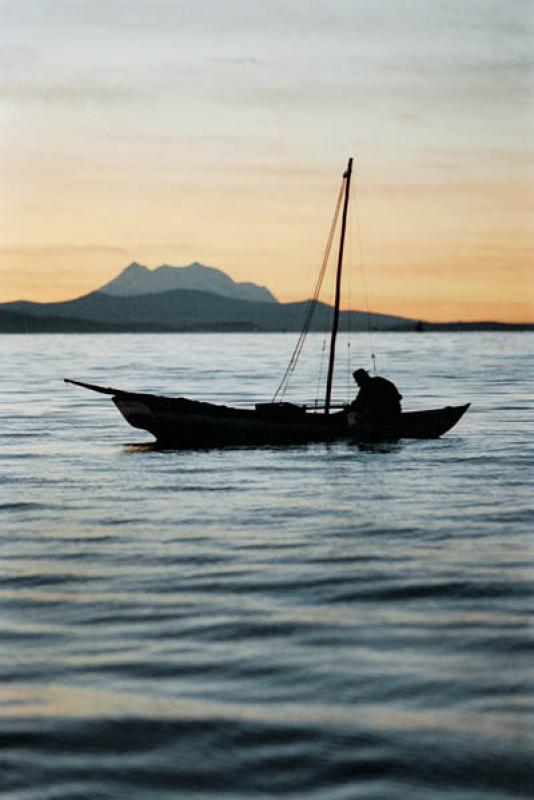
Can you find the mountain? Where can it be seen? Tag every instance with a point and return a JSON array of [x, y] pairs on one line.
[[137, 279], [187, 310], [223, 306]]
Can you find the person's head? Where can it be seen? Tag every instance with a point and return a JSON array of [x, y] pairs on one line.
[[361, 376]]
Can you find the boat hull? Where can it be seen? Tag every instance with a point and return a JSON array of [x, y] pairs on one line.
[[183, 423]]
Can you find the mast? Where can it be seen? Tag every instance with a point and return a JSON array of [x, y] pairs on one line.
[[346, 176]]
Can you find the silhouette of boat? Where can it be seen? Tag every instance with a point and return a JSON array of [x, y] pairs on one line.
[[187, 423], [184, 423]]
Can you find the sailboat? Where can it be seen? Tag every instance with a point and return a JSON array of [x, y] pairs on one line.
[[180, 422]]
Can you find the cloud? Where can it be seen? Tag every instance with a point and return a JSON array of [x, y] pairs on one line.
[[60, 249], [237, 61], [73, 92]]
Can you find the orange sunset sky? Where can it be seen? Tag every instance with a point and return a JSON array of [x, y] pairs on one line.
[[217, 131]]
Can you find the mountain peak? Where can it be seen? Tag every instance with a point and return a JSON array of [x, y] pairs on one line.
[[134, 267], [137, 279]]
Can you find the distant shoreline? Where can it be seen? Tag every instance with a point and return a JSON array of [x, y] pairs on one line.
[[36, 326]]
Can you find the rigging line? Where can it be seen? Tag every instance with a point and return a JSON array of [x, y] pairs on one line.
[[364, 275], [350, 251], [311, 309], [349, 369], [320, 374], [282, 387], [284, 384]]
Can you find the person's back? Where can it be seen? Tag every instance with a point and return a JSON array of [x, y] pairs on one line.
[[378, 398]]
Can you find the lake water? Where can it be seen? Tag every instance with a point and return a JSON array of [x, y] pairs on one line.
[[327, 622]]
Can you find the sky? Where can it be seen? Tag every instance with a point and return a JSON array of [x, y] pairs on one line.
[[173, 131]]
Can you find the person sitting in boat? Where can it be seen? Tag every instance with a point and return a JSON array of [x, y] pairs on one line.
[[378, 398]]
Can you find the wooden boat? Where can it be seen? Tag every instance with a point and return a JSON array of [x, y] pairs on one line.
[[180, 422], [184, 423]]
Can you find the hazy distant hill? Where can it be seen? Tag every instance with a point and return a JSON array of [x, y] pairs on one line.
[[192, 310], [139, 280], [18, 322]]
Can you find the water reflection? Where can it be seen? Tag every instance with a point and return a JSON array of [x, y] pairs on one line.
[[379, 447]]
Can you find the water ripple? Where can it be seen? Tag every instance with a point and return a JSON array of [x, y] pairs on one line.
[[334, 622]]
